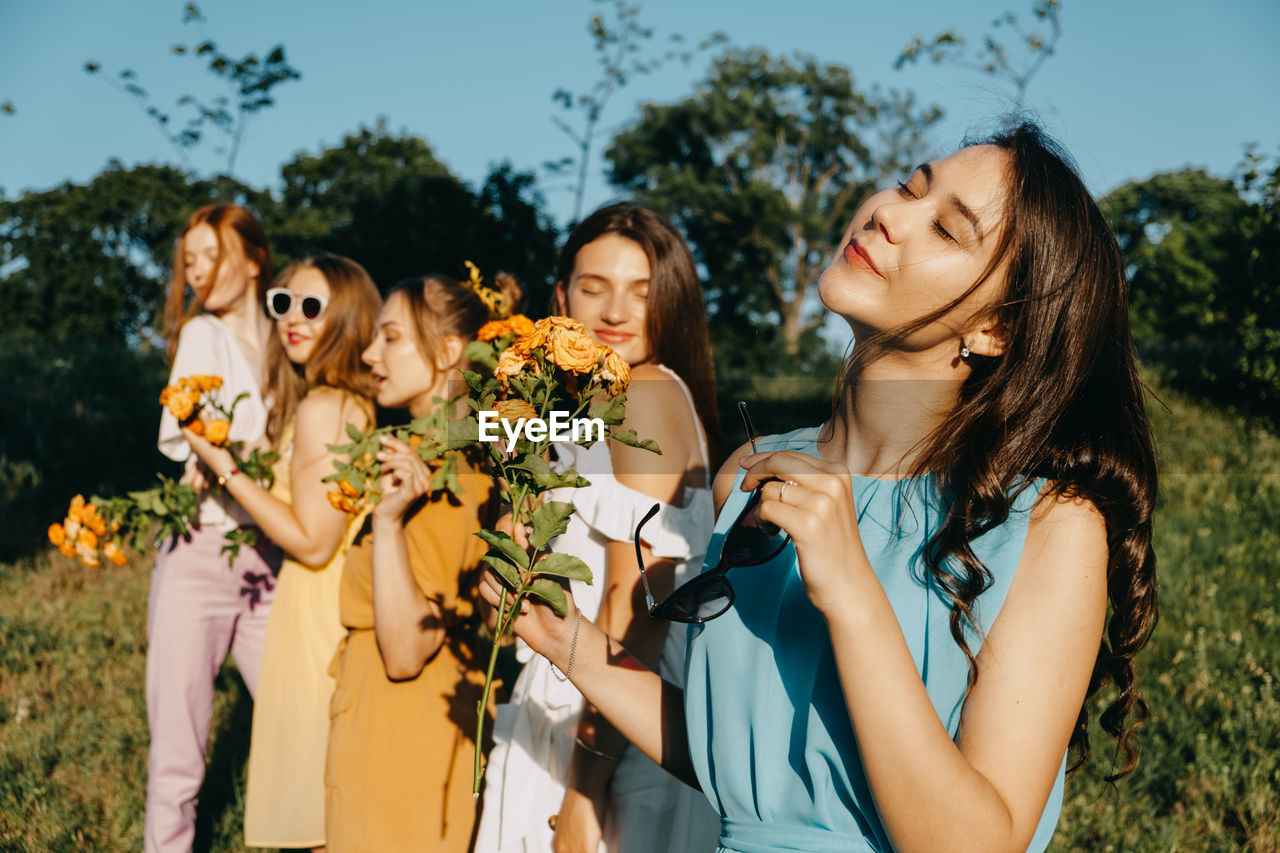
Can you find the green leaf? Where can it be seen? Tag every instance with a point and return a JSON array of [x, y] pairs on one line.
[[612, 411], [557, 565], [354, 433], [549, 521], [506, 545], [552, 593], [505, 570], [628, 437], [481, 352]]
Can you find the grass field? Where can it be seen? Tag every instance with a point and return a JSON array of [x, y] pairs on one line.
[[73, 735]]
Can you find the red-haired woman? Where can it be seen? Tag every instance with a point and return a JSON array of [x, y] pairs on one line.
[[197, 609], [325, 309]]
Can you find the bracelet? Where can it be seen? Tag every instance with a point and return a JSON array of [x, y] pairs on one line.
[[223, 478], [596, 752], [573, 652]]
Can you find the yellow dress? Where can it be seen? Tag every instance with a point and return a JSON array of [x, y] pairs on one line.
[[284, 796], [400, 752]]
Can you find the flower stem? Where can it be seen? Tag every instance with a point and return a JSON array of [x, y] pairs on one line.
[[504, 624]]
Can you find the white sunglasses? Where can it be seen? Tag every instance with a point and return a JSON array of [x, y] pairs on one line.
[[280, 304]]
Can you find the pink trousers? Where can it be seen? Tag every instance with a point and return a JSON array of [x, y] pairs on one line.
[[197, 611]]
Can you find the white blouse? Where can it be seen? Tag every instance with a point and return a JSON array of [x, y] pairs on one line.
[[207, 346]]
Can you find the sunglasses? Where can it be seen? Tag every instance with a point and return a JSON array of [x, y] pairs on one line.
[[280, 304], [749, 542]]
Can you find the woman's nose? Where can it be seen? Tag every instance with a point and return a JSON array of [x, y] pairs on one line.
[[892, 219], [615, 310]]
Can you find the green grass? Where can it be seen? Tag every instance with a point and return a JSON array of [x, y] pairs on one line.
[[73, 735]]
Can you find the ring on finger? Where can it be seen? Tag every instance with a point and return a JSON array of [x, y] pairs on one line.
[[783, 490]]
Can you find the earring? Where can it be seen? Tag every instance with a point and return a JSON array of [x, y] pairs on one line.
[[964, 350]]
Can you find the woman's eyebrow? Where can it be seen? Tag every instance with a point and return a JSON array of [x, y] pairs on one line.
[[965, 210]]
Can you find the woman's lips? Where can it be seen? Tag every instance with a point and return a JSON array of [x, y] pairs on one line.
[[855, 254], [295, 338], [611, 336]]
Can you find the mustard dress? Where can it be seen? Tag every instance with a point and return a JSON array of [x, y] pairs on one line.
[[400, 752], [284, 797]]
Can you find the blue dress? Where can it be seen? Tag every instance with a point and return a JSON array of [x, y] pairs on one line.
[[769, 731]]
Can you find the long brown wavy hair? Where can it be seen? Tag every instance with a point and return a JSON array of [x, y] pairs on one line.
[[352, 316], [235, 227], [675, 311], [1064, 402]]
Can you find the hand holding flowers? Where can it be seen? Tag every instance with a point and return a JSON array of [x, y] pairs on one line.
[[540, 368]]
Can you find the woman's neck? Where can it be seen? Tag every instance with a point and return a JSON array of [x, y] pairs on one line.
[[251, 328], [888, 410]]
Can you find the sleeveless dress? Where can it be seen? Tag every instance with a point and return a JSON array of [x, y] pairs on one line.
[[284, 797], [649, 809], [769, 731], [400, 752]]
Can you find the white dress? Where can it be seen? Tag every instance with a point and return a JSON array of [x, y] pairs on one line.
[[649, 809]]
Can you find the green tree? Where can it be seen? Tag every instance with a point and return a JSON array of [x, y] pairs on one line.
[[90, 262], [388, 202], [1016, 65], [1201, 260], [763, 166], [618, 40]]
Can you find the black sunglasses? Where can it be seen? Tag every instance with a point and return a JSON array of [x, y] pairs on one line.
[[280, 303], [749, 542]]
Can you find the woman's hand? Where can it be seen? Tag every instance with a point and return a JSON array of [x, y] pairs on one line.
[[538, 625], [217, 459], [580, 826], [405, 478], [198, 477], [812, 500]]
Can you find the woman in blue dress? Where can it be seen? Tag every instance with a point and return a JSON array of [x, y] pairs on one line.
[[904, 611]]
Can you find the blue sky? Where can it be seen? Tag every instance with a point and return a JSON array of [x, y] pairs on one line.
[[1135, 88]]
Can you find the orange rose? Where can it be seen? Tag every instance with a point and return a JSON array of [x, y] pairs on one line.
[[494, 329], [115, 554], [348, 489], [520, 324], [197, 427], [183, 404], [97, 524], [204, 382], [216, 432], [515, 410], [87, 538], [338, 501], [67, 549], [512, 362], [72, 527], [615, 373], [57, 534], [571, 350], [415, 441], [88, 555], [165, 394], [76, 509], [536, 337]]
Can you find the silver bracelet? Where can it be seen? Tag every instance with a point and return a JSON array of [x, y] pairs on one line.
[[573, 652], [596, 752]]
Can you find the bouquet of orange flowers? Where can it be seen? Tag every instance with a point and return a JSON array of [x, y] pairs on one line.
[[543, 373], [96, 530]]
